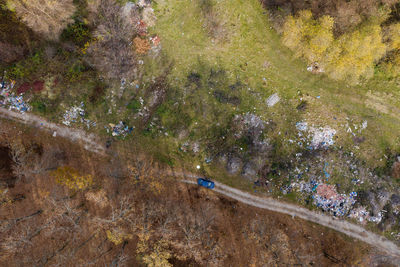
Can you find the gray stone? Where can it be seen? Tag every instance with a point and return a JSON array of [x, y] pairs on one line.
[[234, 165]]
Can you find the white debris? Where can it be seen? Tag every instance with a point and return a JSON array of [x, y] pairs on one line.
[[76, 113], [73, 114], [302, 126], [273, 99], [322, 137], [364, 125]]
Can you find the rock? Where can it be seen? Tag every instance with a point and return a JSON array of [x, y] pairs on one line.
[[250, 171], [195, 147], [382, 197], [272, 100], [395, 199], [223, 159], [234, 165], [396, 170], [149, 17]]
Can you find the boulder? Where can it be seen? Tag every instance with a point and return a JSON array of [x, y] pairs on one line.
[[234, 165]]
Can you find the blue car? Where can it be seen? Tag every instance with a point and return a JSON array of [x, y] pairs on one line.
[[206, 183]]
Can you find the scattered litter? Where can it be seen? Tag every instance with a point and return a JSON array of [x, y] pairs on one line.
[[362, 215], [327, 175], [330, 201], [10, 100], [315, 68], [75, 114], [302, 126], [54, 134], [121, 129], [198, 167], [321, 137], [273, 99]]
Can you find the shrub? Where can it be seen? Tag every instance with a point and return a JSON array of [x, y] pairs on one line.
[[309, 38], [46, 17], [77, 32], [353, 55], [391, 66], [350, 57], [25, 68], [394, 36], [117, 236], [39, 106], [142, 46], [71, 178]]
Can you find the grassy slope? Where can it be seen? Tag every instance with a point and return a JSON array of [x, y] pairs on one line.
[[251, 42]]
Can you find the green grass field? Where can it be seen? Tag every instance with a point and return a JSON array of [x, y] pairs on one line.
[[249, 50]]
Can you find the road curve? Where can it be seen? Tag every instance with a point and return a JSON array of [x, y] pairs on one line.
[[89, 141]]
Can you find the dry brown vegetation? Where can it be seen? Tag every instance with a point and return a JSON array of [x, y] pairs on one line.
[[143, 218], [45, 17], [111, 51], [347, 13]]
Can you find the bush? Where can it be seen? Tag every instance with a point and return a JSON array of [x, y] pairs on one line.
[[309, 38], [78, 33], [350, 57], [394, 36], [71, 178], [391, 66], [25, 68], [39, 106], [353, 55]]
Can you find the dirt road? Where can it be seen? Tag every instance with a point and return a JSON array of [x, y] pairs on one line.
[[89, 141]]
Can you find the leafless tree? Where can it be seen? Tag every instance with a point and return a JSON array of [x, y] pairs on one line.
[[111, 53], [46, 17]]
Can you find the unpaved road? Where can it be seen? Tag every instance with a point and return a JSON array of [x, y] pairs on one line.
[[89, 141]]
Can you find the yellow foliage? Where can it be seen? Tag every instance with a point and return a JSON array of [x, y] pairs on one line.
[[307, 37], [392, 67], [142, 245], [117, 236], [71, 178], [148, 178], [353, 54], [394, 36], [159, 255], [349, 57]]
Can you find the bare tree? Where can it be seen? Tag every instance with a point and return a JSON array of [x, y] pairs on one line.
[[112, 53], [46, 17]]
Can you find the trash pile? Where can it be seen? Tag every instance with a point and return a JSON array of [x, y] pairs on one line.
[[121, 129], [330, 201], [10, 100], [326, 197], [362, 215], [321, 137], [75, 114]]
